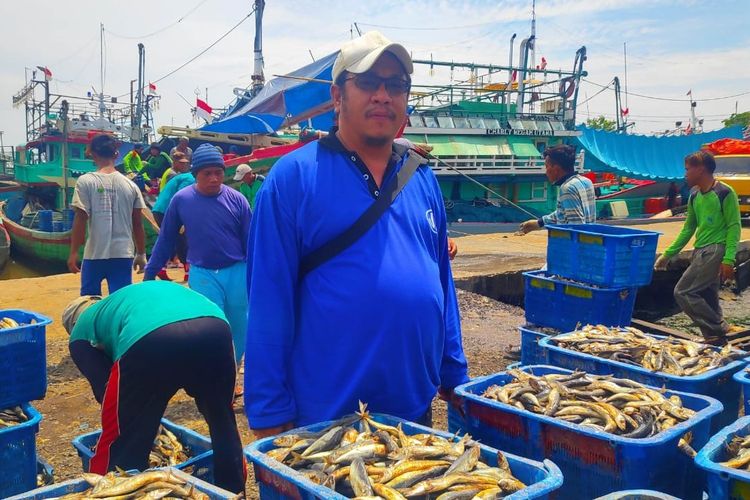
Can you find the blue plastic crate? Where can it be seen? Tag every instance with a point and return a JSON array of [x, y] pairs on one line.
[[45, 470], [277, 481], [199, 465], [18, 461], [560, 304], [742, 377], [637, 495], [604, 255], [531, 352], [723, 482], [23, 358], [78, 485], [593, 462], [718, 384]]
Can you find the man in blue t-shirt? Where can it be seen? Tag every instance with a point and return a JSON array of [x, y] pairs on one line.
[[378, 322]]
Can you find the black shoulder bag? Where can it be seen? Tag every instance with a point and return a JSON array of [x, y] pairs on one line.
[[333, 247]]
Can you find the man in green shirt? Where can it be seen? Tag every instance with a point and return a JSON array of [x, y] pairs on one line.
[[714, 217], [251, 182], [136, 357]]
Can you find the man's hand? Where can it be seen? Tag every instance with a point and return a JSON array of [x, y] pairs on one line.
[[73, 263], [272, 431], [139, 263], [661, 263], [528, 226], [726, 272], [452, 248]]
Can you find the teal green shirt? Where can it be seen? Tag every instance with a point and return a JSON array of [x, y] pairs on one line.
[[120, 320], [714, 217], [249, 192]]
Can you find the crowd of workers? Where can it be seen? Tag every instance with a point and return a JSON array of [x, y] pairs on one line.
[[332, 277]]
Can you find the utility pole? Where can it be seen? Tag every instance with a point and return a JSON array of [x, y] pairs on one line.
[[64, 116], [137, 133], [101, 70], [258, 79]]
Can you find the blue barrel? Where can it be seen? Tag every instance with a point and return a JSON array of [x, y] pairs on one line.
[[58, 226], [45, 220], [68, 215]]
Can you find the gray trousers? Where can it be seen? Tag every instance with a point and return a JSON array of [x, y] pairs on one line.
[[697, 292]]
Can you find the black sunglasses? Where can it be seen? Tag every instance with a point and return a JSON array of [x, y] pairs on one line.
[[395, 85]]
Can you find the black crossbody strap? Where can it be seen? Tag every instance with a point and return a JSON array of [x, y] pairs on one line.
[[365, 221]]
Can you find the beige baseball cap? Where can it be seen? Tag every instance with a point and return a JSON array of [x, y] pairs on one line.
[[242, 170], [358, 55]]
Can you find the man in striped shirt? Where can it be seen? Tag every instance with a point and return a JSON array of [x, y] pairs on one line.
[[576, 202]]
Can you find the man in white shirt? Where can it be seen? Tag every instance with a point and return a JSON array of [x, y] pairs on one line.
[[110, 204]]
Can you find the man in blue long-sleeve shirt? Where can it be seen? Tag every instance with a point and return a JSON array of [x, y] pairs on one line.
[[216, 220], [379, 322]]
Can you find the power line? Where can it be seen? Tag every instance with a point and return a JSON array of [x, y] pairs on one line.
[[671, 99], [602, 90], [222, 37], [179, 20], [423, 28]]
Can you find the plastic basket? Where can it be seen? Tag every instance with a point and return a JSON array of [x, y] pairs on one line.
[[717, 383], [603, 255], [78, 485], [742, 377], [18, 461], [593, 462], [560, 304], [277, 481], [23, 358], [199, 465], [724, 482], [637, 495], [531, 352]]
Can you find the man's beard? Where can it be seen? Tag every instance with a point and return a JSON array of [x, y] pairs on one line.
[[376, 142]]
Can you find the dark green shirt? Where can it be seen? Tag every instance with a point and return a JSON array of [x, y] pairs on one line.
[[120, 320], [714, 218]]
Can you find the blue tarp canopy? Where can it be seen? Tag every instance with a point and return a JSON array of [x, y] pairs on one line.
[[294, 98], [645, 157]]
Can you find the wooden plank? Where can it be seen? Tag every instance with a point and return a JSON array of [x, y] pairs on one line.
[[663, 330]]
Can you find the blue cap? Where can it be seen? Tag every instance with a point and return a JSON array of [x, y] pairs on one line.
[[206, 155]]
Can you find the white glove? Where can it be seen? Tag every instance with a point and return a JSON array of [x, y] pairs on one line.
[[139, 263]]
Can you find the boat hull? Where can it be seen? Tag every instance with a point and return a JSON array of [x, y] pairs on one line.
[[4, 246]]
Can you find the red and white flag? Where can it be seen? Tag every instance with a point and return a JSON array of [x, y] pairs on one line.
[[203, 110], [151, 88], [46, 71], [625, 111], [544, 63], [688, 129], [514, 75], [690, 93]]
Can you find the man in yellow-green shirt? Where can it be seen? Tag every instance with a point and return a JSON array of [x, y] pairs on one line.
[[250, 182], [714, 217]]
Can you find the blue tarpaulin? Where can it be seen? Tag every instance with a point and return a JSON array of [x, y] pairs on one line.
[[294, 98], [645, 157]]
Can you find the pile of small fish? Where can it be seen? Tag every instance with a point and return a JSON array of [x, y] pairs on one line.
[[616, 406], [167, 450], [629, 345], [146, 485], [8, 323], [738, 450], [12, 416], [360, 457]]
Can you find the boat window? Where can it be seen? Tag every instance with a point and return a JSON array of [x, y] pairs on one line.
[[557, 125], [739, 164], [416, 121], [51, 152], [461, 122], [529, 124], [445, 122], [76, 153], [533, 191], [515, 124], [543, 125], [431, 122], [491, 123], [476, 122]]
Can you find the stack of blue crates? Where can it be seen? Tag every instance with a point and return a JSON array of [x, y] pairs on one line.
[[23, 378], [592, 277]]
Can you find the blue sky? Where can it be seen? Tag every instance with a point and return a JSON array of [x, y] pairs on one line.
[[673, 46]]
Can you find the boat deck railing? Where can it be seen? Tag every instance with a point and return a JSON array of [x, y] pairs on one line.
[[492, 165]]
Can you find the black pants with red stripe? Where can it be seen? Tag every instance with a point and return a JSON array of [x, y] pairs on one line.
[[195, 355]]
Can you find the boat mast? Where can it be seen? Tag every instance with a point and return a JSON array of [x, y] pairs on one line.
[[64, 153], [101, 70], [258, 79], [137, 131]]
